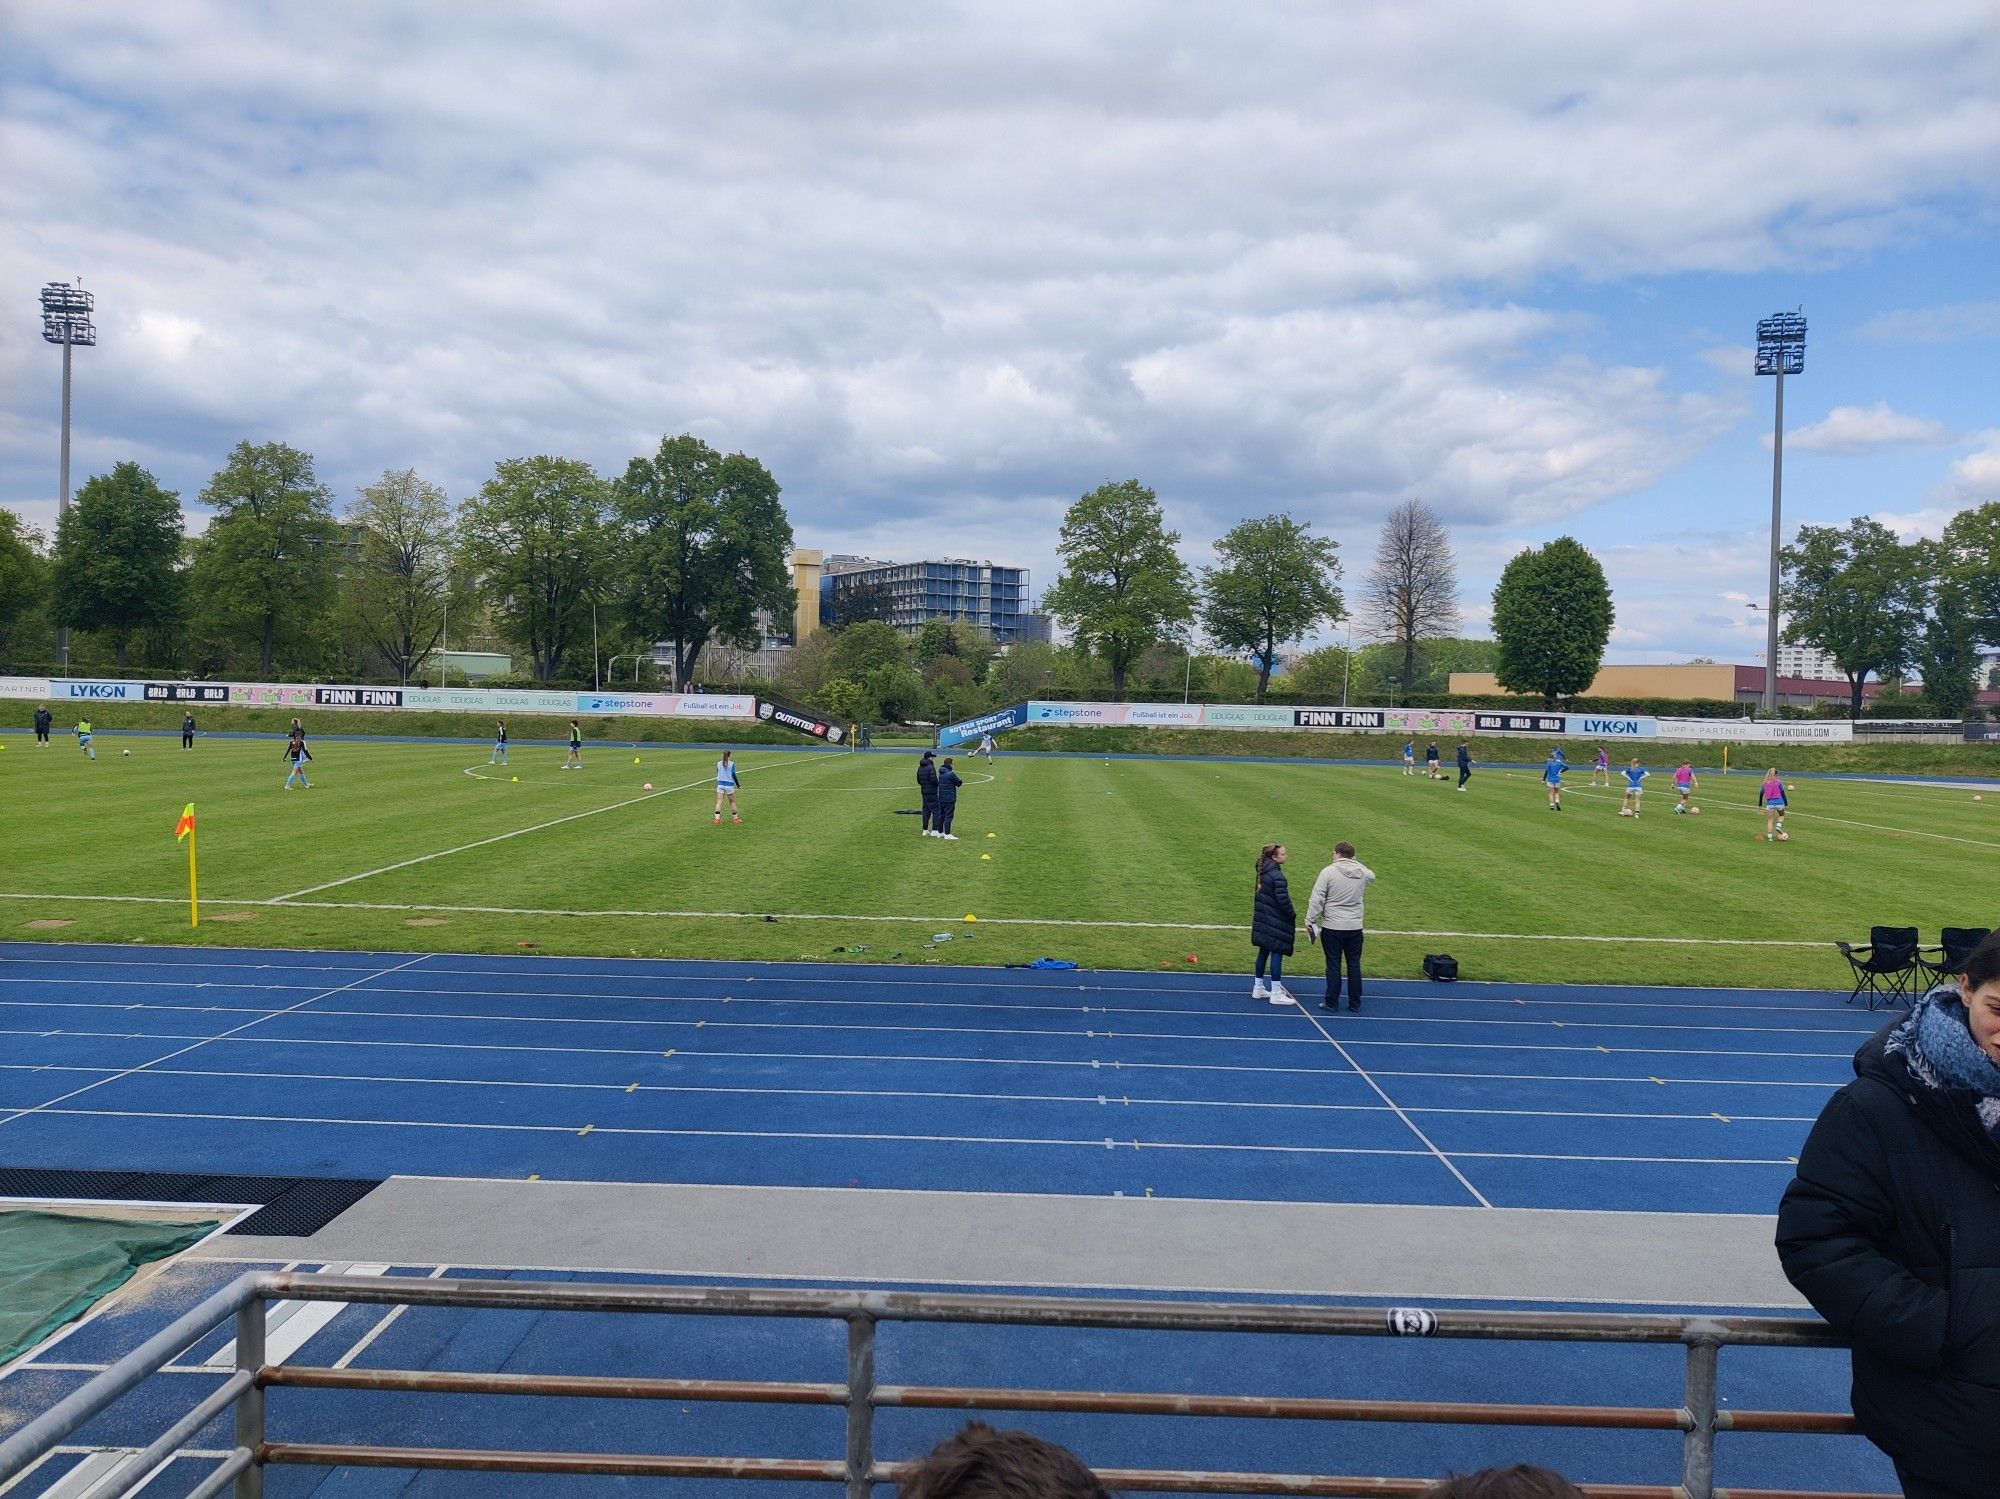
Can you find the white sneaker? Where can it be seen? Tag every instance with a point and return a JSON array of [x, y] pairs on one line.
[[953, 837], [1260, 990], [1280, 995]]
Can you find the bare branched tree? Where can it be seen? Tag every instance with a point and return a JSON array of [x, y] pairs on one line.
[[1411, 593]]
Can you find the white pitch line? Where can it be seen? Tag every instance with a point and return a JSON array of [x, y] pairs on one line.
[[554, 822], [1846, 822], [290, 902], [198, 1044]]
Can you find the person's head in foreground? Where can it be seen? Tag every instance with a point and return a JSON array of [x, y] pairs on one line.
[[1517, 1482], [981, 1463]]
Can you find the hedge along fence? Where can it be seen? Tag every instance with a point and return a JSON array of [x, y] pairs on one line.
[[1610, 707], [398, 723]]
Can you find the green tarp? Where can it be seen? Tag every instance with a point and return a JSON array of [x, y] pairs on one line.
[[54, 1267]]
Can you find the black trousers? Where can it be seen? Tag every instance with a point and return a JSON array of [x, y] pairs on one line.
[[1342, 948], [930, 813], [1464, 774], [187, 740], [41, 736], [944, 815]]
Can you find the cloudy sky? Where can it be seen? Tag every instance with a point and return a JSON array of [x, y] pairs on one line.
[[944, 267]]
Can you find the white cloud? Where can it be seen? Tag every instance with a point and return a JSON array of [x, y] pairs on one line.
[[1975, 478], [1953, 322], [1860, 429]]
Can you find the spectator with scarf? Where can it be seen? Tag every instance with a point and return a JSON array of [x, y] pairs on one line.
[[1891, 1229]]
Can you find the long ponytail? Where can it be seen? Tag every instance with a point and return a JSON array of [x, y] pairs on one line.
[[1266, 859]]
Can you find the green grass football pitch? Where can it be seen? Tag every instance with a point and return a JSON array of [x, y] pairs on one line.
[[1111, 863]]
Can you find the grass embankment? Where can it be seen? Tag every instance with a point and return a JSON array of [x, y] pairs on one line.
[[1316, 744], [1119, 863]]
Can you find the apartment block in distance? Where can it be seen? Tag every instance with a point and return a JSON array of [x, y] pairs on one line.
[[979, 593]]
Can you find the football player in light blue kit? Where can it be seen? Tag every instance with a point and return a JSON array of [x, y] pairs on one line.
[[1635, 787], [1410, 758], [499, 756], [725, 785], [1552, 776]]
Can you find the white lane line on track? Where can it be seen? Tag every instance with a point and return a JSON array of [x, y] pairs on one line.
[[872, 1137], [1429, 1144], [1113, 1065], [292, 902], [1088, 1033], [893, 975], [197, 1044], [553, 822], [751, 1002], [1104, 1100]]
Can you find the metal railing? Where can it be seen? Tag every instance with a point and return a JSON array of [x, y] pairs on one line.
[[1697, 1418]]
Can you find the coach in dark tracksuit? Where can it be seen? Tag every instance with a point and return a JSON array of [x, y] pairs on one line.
[[948, 782], [43, 718], [1891, 1229], [927, 789], [1464, 764]]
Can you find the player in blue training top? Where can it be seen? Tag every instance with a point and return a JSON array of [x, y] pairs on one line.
[[725, 785], [1635, 787], [1552, 776], [1410, 757]]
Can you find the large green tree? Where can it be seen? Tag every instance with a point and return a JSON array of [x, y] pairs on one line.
[[1122, 587], [265, 571], [1552, 618], [705, 542], [398, 583], [1947, 656], [118, 557], [1856, 593], [1273, 583], [1412, 590], [1969, 555], [24, 580], [536, 544]]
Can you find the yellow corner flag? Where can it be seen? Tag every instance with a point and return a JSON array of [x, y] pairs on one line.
[[185, 829]]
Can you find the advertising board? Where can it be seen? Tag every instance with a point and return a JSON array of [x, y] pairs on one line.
[[968, 729], [187, 692], [1744, 731]]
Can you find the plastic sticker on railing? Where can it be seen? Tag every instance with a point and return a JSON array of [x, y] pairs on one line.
[[1412, 1322]]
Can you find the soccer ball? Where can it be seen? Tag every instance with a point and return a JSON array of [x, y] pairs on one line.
[[1694, 811], [1784, 837], [126, 753], [1624, 811]]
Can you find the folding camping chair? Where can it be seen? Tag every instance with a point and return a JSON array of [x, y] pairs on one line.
[[1954, 948], [1884, 965]]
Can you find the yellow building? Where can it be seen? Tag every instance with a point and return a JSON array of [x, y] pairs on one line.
[[805, 578]]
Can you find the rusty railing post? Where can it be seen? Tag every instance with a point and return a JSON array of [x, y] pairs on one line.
[[250, 1404], [860, 1406]]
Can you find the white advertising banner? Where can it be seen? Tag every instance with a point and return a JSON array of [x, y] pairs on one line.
[[28, 687], [69, 688], [299, 696], [1743, 731], [1243, 716]]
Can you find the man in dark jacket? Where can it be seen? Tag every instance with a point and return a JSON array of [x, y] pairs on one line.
[[1464, 763], [927, 789], [948, 782], [43, 718], [1892, 1231]]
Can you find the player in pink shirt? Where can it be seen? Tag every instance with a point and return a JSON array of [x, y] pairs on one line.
[[1685, 783]]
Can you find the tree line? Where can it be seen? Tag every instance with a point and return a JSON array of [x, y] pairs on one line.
[[687, 546]]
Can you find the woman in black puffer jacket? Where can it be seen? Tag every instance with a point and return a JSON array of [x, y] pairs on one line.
[[1892, 1231], [1273, 925]]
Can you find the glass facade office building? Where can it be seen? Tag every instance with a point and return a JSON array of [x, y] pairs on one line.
[[979, 593]]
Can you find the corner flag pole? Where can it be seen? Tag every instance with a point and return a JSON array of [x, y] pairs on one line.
[[184, 829]]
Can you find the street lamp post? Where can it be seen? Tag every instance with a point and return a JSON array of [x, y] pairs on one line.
[[1781, 351], [66, 321]]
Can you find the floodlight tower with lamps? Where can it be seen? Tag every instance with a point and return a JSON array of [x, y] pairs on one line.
[[1781, 351], [66, 321]]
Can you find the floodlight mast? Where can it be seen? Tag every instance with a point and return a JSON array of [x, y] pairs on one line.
[[1781, 351], [66, 320]]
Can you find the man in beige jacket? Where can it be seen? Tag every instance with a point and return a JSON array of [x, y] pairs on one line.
[[1333, 919]]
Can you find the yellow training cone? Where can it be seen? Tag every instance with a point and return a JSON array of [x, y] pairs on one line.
[[970, 917], [987, 857]]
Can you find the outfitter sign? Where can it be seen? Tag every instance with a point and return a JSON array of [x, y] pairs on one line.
[[805, 723]]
